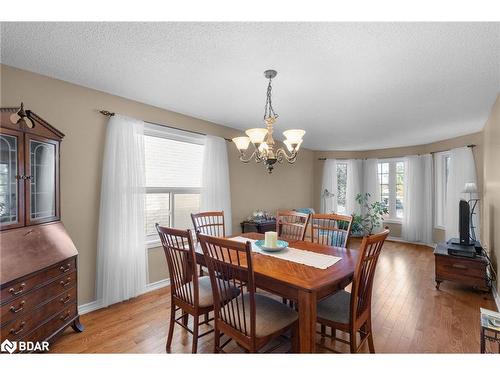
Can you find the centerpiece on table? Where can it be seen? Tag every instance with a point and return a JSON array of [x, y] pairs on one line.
[[271, 242]]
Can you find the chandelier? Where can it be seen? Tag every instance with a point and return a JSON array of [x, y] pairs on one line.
[[265, 147]]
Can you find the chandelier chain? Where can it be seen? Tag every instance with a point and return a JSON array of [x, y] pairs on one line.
[[269, 110]]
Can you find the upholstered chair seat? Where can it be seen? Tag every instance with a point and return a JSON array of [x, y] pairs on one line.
[[205, 294], [335, 308], [271, 315]]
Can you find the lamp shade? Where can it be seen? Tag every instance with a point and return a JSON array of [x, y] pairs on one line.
[[256, 135], [290, 146], [241, 143], [294, 136], [470, 187], [263, 147]]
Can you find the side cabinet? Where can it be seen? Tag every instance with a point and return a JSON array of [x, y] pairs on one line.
[[38, 261]]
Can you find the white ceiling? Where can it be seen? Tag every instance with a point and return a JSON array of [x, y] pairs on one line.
[[351, 86]]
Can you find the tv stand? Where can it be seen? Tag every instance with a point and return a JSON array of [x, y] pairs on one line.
[[463, 270]]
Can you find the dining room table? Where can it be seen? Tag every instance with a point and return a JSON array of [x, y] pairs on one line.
[[298, 282]]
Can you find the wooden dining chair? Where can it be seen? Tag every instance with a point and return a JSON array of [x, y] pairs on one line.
[[188, 292], [291, 225], [209, 223], [331, 229], [351, 312], [251, 319]]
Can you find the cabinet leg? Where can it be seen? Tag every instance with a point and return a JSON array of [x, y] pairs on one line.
[[77, 326], [438, 282]]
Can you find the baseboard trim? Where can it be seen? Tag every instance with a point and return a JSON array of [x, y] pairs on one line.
[[399, 239], [89, 307], [157, 285], [496, 296], [96, 305]]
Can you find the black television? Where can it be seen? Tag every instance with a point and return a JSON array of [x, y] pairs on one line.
[[463, 246], [463, 223]]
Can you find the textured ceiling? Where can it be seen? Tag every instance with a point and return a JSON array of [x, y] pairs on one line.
[[351, 86]]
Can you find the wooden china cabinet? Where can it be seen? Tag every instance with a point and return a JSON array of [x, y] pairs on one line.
[[38, 269]]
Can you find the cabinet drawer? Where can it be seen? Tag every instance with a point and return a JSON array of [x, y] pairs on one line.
[[17, 328], [463, 267], [24, 286], [50, 327], [28, 302]]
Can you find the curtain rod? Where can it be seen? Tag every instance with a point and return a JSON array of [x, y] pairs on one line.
[[432, 153], [110, 114]]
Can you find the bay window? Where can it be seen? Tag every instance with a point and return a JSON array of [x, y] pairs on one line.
[[391, 179], [341, 187]]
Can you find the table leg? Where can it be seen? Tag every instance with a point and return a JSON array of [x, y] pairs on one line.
[[307, 321], [483, 344]]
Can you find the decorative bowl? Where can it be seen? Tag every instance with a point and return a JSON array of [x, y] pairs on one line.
[[280, 245]]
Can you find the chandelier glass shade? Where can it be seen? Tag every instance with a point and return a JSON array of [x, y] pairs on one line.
[[265, 149]]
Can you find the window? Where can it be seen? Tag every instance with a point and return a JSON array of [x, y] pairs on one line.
[[341, 187], [400, 192], [442, 171], [173, 163], [391, 177]]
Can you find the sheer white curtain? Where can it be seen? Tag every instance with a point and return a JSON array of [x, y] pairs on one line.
[[371, 184], [417, 221], [462, 170], [329, 183], [215, 185], [354, 185], [121, 254]]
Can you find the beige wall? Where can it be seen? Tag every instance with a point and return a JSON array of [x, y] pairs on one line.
[[74, 110], [476, 139], [491, 187]]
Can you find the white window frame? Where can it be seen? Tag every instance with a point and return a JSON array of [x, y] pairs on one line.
[[391, 217], [440, 187], [159, 131]]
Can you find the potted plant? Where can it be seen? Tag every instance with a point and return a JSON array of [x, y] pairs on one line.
[[370, 217]]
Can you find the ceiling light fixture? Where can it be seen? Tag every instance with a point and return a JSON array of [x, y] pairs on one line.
[[265, 150]]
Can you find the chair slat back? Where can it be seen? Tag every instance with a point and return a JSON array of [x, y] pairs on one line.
[[362, 285], [331, 229], [230, 268], [209, 223], [179, 251], [291, 225]]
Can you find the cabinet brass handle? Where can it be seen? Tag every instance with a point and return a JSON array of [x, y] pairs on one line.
[[65, 300], [66, 316], [16, 292], [68, 281], [21, 307], [460, 266], [65, 269], [19, 330]]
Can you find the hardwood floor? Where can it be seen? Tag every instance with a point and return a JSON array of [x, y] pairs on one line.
[[409, 315]]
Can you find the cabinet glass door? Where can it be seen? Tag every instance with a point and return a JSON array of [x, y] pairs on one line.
[[9, 194], [42, 180]]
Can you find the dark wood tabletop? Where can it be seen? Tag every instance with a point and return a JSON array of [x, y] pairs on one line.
[[301, 283]]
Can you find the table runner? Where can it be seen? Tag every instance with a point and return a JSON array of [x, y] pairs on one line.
[[308, 258]]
